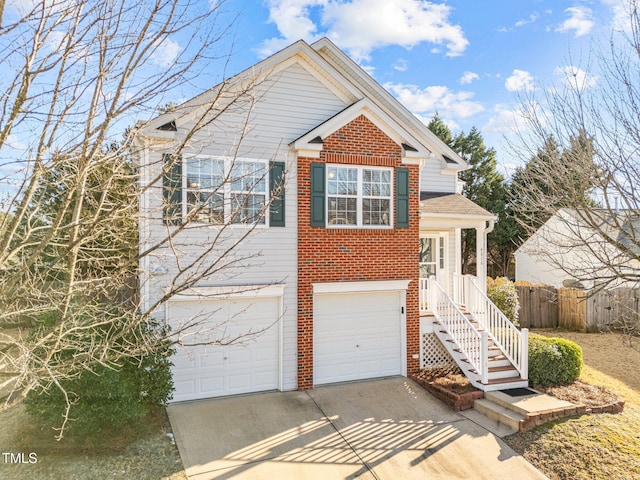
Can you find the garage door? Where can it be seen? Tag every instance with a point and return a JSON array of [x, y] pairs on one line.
[[250, 365], [356, 336]]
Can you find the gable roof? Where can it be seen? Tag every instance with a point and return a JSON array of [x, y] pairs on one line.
[[435, 204], [347, 80], [312, 140], [628, 229]]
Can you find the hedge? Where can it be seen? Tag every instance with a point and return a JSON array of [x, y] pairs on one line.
[[553, 361]]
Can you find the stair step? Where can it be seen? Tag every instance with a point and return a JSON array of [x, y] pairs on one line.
[[494, 426], [500, 373], [499, 361], [497, 356], [500, 398], [508, 368], [499, 413], [504, 380]]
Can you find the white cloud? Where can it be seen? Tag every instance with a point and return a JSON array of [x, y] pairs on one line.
[[532, 18], [370, 69], [401, 65], [359, 26], [519, 80], [576, 78], [166, 53], [620, 8], [580, 21], [14, 142], [521, 23], [468, 77], [453, 105], [505, 120]]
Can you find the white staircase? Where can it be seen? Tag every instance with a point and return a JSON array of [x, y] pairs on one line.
[[487, 347]]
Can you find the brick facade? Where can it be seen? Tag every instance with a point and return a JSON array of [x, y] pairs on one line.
[[355, 254]]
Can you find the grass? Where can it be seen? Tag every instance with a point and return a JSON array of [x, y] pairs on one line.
[[602, 446], [141, 450]]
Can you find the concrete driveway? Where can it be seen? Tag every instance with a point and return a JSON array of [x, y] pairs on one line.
[[385, 429]]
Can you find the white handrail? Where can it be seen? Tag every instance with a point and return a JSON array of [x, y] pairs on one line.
[[513, 342], [472, 343], [424, 295], [459, 294]]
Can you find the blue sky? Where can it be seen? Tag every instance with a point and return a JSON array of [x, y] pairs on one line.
[[468, 60]]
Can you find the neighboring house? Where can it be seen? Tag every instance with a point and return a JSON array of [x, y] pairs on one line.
[[341, 277], [564, 251]]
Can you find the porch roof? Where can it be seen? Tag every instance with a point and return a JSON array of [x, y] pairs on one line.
[[452, 205]]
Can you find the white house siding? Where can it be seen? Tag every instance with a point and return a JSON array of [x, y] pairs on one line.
[[563, 241], [287, 106], [433, 180], [531, 269]]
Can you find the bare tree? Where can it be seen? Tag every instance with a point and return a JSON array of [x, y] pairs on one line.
[[74, 76], [583, 139]]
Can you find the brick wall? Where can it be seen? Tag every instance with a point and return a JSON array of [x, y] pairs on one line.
[[347, 254]]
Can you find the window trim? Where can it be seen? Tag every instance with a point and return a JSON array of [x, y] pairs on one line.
[[227, 190], [360, 197]]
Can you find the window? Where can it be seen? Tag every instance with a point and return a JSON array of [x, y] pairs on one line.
[[432, 256], [205, 190], [220, 190], [358, 196]]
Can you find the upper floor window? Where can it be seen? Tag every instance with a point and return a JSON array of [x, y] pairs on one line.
[[358, 196], [226, 190]]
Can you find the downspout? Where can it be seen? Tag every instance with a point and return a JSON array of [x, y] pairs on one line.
[[481, 254], [489, 229]]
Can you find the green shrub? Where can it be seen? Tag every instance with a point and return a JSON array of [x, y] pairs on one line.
[[553, 361], [105, 397], [504, 295]]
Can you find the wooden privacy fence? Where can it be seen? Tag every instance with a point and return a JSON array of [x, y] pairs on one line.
[[572, 308], [544, 306], [538, 306]]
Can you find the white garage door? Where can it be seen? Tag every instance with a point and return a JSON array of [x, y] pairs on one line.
[[250, 365], [356, 336]]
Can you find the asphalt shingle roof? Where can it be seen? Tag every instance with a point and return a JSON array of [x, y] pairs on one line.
[[450, 203]]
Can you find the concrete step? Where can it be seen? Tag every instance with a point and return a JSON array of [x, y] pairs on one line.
[[526, 404], [494, 426], [499, 413]]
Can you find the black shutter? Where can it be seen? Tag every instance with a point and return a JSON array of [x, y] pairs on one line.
[[402, 198], [172, 189], [318, 195], [276, 194]]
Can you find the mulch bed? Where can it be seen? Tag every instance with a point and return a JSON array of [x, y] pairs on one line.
[[597, 399], [450, 386]]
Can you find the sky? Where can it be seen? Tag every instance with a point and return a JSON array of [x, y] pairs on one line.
[[470, 61]]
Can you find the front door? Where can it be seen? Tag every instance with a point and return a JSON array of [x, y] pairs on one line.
[[433, 258]]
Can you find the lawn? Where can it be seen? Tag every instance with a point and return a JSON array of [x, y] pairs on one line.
[[140, 451], [603, 446]]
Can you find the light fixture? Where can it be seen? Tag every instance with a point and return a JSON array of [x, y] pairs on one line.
[[156, 269]]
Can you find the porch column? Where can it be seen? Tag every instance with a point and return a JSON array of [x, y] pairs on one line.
[[481, 258], [481, 253]]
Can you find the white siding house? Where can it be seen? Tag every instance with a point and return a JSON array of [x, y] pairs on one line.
[[564, 250], [247, 315]]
